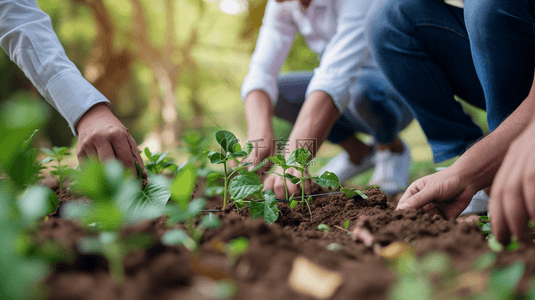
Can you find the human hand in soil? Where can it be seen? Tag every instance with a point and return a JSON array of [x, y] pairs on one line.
[[102, 135], [512, 195], [276, 184], [446, 193], [262, 142]]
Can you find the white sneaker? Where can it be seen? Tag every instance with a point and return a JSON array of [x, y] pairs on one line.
[[345, 169], [478, 205], [392, 171]]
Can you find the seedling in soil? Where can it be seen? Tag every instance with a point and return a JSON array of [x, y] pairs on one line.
[[329, 179], [182, 210], [249, 184], [235, 249], [115, 249], [158, 162], [325, 228], [494, 245], [60, 171], [230, 150], [117, 197], [280, 161]]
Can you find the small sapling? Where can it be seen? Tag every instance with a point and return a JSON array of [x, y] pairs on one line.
[[230, 150], [60, 171]]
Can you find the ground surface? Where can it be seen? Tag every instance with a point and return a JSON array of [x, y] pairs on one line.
[[163, 272]]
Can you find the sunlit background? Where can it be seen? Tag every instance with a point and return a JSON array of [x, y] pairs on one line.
[[168, 66]]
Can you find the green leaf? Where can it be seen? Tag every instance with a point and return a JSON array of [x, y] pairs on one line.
[[37, 202], [237, 247], [346, 224], [178, 237], [293, 179], [210, 221], [293, 203], [299, 157], [503, 281], [328, 179], [195, 207], [148, 153], [271, 212], [485, 228], [256, 209], [242, 186], [216, 157], [493, 243], [238, 154], [324, 227], [138, 204], [350, 192], [213, 177], [227, 140], [279, 160], [183, 186]]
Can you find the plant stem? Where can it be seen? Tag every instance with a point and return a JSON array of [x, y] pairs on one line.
[[225, 186], [285, 184]]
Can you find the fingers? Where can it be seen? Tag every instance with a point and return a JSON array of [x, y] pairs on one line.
[[124, 152], [416, 196], [109, 144]]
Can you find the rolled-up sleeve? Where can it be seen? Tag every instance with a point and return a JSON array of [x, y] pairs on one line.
[[26, 35], [272, 46], [344, 55]]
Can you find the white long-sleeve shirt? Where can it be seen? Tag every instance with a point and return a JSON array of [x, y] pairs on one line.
[[26, 35], [334, 29]]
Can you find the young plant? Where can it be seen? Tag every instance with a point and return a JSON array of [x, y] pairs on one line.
[[280, 161], [182, 210], [325, 228], [235, 249], [117, 196], [494, 245], [115, 249], [330, 179], [60, 171], [249, 184], [230, 150], [158, 162]]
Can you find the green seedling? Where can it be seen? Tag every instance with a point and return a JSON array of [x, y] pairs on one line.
[[492, 242], [235, 249], [195, 145], [182, 210], [230, 150], [280, 161], [325, 228], [346, 224], [115, 249], [117, 196], [158, 162], [330, 179], [249, 184], [61, 172]]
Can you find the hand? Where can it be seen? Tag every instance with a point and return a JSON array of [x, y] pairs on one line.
[[101, 134], [262, 142], [275, 183], [446, 193], [512, 196]]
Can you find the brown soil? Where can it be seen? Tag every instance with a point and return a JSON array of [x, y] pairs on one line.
[[163, 272]]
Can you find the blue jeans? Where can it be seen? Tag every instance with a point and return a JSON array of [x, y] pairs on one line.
[[374, 108], [422, 48], [502, 41]]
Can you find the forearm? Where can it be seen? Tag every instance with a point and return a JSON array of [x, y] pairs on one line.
[[481, 162], [258, 111], [315, 120]]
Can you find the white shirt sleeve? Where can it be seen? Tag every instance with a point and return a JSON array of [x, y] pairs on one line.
[[26, 35], [274, 40], [345, 54]]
